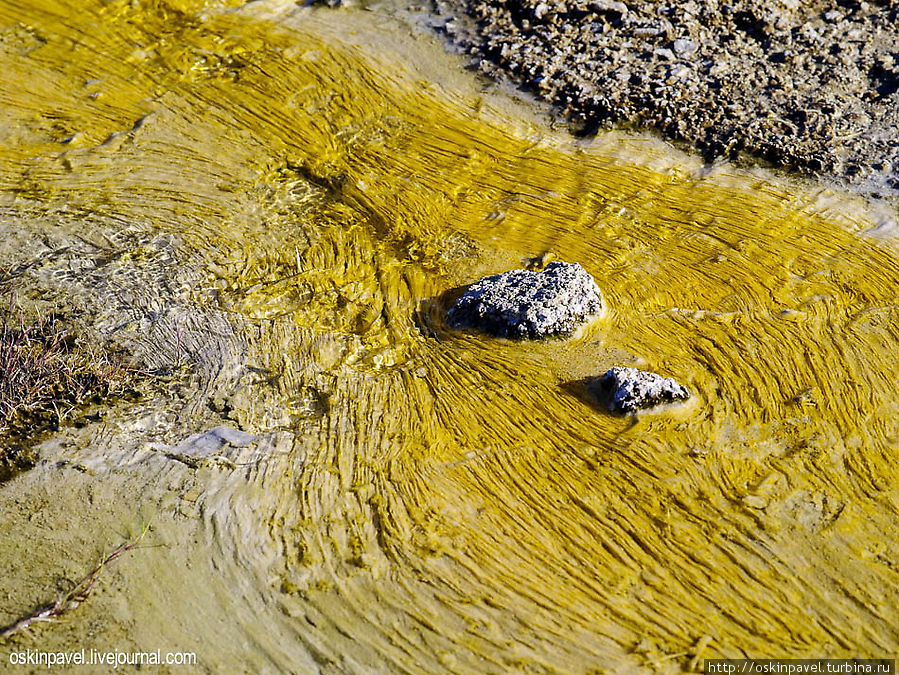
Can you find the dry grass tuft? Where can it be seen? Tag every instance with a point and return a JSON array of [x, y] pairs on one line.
[[45, 373]]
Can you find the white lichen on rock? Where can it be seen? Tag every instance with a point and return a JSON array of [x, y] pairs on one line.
[[626, 390], [529, 304]]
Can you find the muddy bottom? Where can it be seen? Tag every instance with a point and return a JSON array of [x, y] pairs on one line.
[[270, 205]]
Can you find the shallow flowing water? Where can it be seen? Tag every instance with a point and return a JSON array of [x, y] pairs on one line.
[[284, 200]]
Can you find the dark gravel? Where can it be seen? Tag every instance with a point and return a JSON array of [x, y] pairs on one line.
[[812, 86]]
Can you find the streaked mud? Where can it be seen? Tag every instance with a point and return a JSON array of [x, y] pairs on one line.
[[277, 198]]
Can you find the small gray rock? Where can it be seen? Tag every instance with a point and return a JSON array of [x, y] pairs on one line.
[[608, 6], [541, 10], [684, 47], [625, 390], [525, 304], [211, 442], [664, 53]]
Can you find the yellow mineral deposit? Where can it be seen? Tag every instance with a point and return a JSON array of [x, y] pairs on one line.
[[417, 499]]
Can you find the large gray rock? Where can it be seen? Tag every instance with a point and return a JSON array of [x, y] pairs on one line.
[[526, 304], [625, 390]]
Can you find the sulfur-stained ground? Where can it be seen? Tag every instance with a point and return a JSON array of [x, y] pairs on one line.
[[270, 206]]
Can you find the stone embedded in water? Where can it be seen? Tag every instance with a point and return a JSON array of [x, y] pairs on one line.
[[527, 304], [625, 390]]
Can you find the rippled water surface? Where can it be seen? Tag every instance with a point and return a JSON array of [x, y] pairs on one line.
[[284, 199]]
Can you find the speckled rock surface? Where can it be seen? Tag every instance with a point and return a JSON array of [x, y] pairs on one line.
[[809, 85], [626, 390], [525, 304]]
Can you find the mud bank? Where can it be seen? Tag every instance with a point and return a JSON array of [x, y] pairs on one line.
[[803, 85], [273, 202]]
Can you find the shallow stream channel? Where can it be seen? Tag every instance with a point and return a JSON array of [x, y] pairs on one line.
[[271, 207]]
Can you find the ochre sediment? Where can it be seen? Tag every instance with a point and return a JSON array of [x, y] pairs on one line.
[[269, 195]]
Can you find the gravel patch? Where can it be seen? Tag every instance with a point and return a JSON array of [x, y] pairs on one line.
[[812, 86]]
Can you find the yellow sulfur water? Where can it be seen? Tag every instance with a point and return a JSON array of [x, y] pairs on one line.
[[322, 183]]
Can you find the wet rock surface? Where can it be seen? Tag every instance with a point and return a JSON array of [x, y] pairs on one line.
[[812, 86], [528, 304], [626, 390]]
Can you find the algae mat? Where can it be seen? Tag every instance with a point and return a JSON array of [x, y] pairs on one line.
[[274, 202]]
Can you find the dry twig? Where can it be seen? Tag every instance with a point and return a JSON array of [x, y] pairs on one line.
[[74, 597]]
